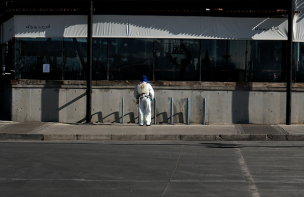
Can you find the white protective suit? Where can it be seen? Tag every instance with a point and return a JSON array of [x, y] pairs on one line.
[[145, 93]]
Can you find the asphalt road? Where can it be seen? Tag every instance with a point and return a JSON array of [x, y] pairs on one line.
[[237, 169]]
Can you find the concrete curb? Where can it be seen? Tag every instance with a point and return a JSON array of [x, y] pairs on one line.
[[60, 137], [295, 137], [156, 137], [128, 137], [94, 137], [12, 136]]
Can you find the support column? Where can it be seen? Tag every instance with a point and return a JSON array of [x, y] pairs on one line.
[[1, 64], [289, 62], [89, 64]]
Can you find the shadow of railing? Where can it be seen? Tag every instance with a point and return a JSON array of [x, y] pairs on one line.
[[72, 101]]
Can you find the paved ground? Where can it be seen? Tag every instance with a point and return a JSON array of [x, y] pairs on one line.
[[147, 168], [65, 131]]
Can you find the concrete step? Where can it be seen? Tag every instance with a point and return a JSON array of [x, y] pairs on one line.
[[122, 137]]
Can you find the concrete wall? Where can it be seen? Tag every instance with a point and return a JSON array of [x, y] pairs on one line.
[[225, 105]]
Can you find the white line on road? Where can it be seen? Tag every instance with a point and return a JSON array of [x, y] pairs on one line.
[[148, 181], [246, 173], [173, 171]]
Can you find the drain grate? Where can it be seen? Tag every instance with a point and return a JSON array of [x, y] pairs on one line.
[[22, 128], [259, 129]]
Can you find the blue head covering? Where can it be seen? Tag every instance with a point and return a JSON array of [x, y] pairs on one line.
[[144, 78]]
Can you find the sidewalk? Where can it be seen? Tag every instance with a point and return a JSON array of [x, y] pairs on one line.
[[72, 131]]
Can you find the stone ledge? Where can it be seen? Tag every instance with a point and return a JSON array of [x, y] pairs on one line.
[[10, 136], [158, 85], [50, 137], [130, 137]]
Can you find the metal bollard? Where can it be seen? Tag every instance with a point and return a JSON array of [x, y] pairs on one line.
[[188, 111], [171, 111], [204, 112], [138, 109], [122, 110], [155, 111]]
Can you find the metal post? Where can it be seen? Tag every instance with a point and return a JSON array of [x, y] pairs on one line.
[[138, 109], [122, 110], [204, 112], [289, 63], [187, 111], [200, 61], [246, 63], [155, 111], [154, 54], [108, 59], [1, 34], [171, 112], [1, 61], [89, 64]]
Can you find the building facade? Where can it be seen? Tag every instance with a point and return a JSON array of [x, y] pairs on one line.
[[234, 54]]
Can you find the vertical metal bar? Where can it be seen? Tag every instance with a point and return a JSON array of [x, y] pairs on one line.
[[122, 110], [155, 111], [200, 61], [154, 54], [171, 112], [108, 59], [1, 60], [63, 61], [1, 34], [204, 112], [289, 63], [227, 55], [138, 109], [246, 64], [89, 64], [188, 111]]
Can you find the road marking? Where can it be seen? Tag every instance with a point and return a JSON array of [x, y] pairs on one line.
[[173, 171], [148, 181], [246, 173], [80, 180]]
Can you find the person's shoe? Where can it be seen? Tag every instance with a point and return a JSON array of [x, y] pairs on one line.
[[148, 124], [141, 124]]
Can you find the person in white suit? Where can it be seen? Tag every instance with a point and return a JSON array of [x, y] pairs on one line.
[[144, 93]]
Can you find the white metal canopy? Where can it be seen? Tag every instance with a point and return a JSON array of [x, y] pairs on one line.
[[126, 26]]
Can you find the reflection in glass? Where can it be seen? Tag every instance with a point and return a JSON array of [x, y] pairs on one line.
[[223, 60], [267, 61], [177, 59], [3, 49], [99, 67], [75, 58], [129, 59], [298, 62], [173, 59], [8, 60], [31, 54]]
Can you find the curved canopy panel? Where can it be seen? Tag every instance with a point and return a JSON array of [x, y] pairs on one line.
[[131, 26], [183, 27], [298, 27]]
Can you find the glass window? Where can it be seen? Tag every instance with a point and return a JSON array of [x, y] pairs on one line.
[[267, 61], [239, 58], [298, 62], [173, 59], [8, 60], [32, 53], [129, 59], [177, 59], [3, 48], [223, 60], [75, 58], [99, 67]]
